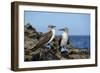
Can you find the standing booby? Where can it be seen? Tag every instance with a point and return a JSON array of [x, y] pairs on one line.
[[46, 38], [63, 40]]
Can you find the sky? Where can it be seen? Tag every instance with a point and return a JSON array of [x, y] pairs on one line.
[[77, 23]]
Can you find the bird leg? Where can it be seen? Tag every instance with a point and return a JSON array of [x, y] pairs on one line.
[[63, 49], [48, 46]]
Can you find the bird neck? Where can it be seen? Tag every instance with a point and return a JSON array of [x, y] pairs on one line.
[[53, 35], [53, 30], [49, 29], [64, 34]]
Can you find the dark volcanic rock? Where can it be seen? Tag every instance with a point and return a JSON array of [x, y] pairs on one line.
[[76, 53], [31, 32], [31, 37]]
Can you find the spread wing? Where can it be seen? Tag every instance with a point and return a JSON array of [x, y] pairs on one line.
[[43, 40]]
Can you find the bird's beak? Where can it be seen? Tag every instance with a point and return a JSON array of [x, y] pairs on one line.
[[61, 29], [53, 26]]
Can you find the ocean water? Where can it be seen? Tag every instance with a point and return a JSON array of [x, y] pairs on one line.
[[80, 41]]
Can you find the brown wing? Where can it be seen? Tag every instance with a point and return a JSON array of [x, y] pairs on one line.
[[60, 40], [43, 40]]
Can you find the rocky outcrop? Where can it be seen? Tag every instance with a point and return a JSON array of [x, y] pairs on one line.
[[31, 37], [75, 53]]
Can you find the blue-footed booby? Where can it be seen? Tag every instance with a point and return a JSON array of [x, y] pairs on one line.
[[46, 38], [63, 40]]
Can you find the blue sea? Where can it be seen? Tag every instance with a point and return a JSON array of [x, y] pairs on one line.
[[80, 41]]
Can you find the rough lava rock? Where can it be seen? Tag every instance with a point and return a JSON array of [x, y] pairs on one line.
[[31, 37]]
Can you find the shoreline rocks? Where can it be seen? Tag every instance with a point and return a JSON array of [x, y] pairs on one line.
[[31, 37]]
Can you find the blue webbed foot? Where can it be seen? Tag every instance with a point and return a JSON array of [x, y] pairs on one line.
[[63, 49], [48, 46]]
